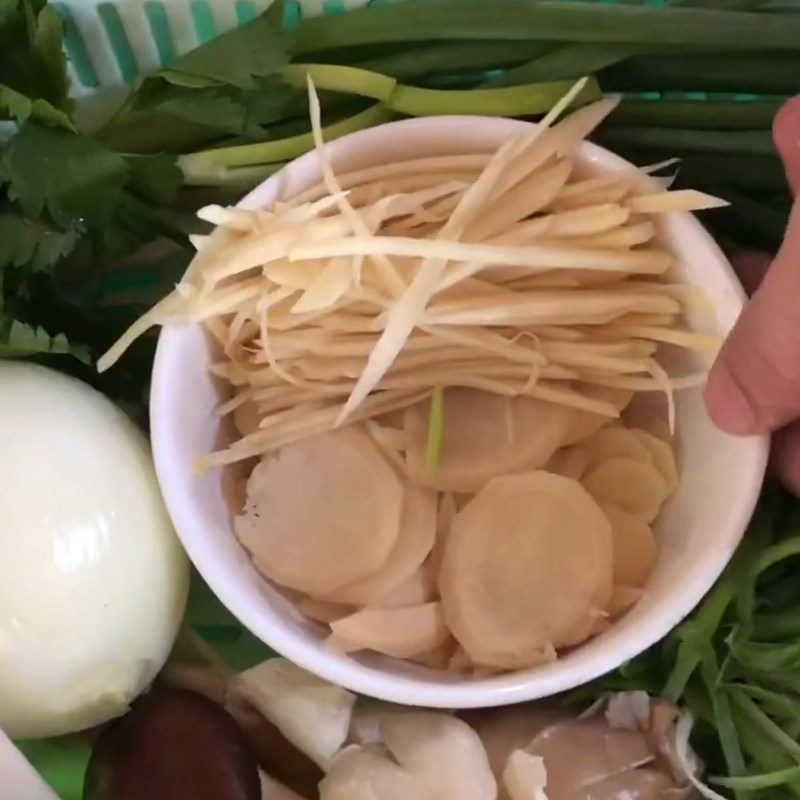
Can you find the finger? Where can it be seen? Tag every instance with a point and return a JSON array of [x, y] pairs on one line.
[[786, 133], [786, 457], [754, 386], [751, 266]]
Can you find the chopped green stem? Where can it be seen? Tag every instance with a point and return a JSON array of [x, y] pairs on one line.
[[764, 755], [765, 724], [528, 20], [705, 624], [512, 101], [778, 624], [723, 716], [766, 780], [435, 428], [778, 704], [352, 80], [683, 140], [209, 162], [697, 114]]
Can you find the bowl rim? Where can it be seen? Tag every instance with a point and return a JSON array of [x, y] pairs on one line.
[[469, 693]]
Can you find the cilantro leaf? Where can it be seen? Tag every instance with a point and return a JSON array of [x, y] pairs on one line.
[[24, 243], [76, 179], [19, 107]]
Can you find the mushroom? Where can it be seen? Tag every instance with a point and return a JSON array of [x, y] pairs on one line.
[[311, 713], [421, 755]]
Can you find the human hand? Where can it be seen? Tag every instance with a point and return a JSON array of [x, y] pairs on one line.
[[754, 385]]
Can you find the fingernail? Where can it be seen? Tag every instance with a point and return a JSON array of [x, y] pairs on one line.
[[727, 405]]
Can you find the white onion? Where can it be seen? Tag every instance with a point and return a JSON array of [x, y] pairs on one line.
[[93, 581]]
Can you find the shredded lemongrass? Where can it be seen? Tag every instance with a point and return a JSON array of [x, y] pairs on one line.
[[512, 272]]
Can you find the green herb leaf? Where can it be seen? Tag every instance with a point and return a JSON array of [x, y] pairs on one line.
[[235, 58], [33, 77], [76, 179], [18, 340], [24, 243]]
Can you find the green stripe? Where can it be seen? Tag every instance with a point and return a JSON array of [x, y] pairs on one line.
[[245, 11], [160, 30], [203, 20], [333, 7], [76, 49], [118, 39]]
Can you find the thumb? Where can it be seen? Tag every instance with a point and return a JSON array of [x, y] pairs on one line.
[[786, 132], [754, 386]]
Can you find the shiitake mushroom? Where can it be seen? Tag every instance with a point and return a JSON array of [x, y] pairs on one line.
[[173, 744]]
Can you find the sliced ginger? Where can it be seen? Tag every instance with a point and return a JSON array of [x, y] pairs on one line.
[[632, 485], [571, 462], [528, 561], [414, 541], [585, 423], [635, 548], [398, 632], [321, 513], [484, 435], [419, 588], [614, 442], [662, 456]]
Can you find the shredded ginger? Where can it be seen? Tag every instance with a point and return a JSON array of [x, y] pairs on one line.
[[513, 272]]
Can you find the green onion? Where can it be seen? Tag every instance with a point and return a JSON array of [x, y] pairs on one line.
[[530, 20], [760, 73], [512, 101], [435, 428], [697, 114], [571, 61], [332, 77], [681, 140], [205, 165], [454, 58]]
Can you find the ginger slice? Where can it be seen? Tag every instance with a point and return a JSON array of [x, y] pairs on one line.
[[414, 541], [571, 462], [526, 564], [635, 548], [585, 423], [398, 632], [484, 435], [321, 513], [662, 456], [614, 442], [633, 486]]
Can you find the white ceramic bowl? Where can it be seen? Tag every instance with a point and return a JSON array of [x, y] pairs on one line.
[[698, 530]]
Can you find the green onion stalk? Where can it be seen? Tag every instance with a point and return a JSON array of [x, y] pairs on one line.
[[245, 165]]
